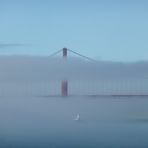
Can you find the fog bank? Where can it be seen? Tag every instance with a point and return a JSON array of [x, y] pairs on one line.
[[41, 75]]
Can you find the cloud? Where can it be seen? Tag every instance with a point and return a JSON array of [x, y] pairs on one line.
[[5, 45]]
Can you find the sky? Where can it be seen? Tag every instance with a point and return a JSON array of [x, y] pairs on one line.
[[112, 30]]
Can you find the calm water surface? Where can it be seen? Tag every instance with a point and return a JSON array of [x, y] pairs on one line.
[[105, 122]]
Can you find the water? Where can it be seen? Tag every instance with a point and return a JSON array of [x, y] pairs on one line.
[[48, 122]]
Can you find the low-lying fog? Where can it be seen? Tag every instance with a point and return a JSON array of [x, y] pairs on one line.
[[28, 75], [32, 115]]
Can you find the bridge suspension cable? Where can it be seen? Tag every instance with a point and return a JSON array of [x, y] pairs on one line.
[[55, 53], [85, 57], [76, 53]]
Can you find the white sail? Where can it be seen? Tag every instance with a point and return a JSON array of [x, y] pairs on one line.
[[77, 117]]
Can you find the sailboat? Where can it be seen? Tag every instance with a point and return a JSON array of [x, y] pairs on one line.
[[77, 118]]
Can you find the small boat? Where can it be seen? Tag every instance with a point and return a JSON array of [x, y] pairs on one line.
[[77, 118]]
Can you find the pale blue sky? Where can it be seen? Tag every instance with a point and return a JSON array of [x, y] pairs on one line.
[[115, 30]]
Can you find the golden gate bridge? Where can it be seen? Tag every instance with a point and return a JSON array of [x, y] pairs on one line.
[[48, 76], [64, 82], [64, 51]]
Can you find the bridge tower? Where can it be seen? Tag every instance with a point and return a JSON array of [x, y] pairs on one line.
[[64, 52], [64, 83]]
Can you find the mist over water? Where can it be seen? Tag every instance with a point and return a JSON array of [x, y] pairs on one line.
[[26, 75], [32, 114], [49, 122]]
